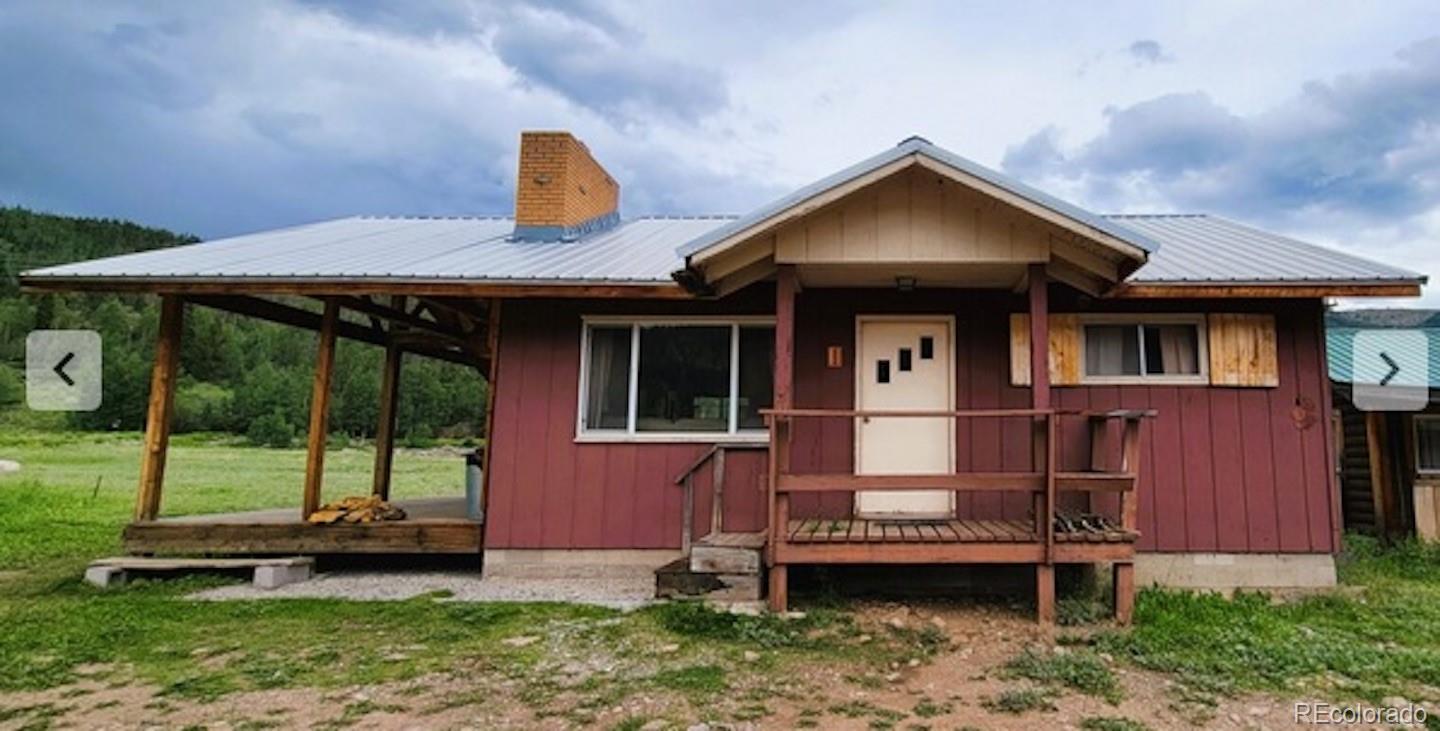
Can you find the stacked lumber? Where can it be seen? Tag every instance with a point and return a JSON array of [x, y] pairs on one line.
[[368, 509]]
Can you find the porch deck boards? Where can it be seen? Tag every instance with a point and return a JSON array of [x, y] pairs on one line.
[[861, 530], [431, 525]]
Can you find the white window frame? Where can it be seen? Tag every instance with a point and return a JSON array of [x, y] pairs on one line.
[[732, 434], [1202, 349], [1419, 469]]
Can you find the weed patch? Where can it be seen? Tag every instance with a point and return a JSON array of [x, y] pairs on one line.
[[1016, 701], [1079, 670]]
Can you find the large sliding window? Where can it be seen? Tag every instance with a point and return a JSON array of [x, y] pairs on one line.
[[675, 378]]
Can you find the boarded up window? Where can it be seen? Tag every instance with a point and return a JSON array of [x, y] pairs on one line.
[[1242, 350], [1065, 355], [1239, 349]]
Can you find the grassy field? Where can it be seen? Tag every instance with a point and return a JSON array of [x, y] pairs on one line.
[[1377, 638]]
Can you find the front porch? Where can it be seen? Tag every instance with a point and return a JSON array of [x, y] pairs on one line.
[[431, 526]]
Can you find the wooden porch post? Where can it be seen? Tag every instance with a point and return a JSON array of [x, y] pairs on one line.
[[492, 376], [320, 409], [786, 287], [385, 429], [161, 407], [1044, 436]]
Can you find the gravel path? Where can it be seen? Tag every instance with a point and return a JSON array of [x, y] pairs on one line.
[[619, 593]]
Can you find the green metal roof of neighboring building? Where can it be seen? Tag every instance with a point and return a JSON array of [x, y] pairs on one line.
[[1340, 335]]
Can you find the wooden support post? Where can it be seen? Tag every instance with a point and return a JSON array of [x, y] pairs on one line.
[[162, 405], [1130, 464], [786, 287], [492, 345], [779, 573], [320, 410], [1123, 582], [687, 513], [1378, 448], [1045, 593], [717, 493], [1042, 429], [385, 429]]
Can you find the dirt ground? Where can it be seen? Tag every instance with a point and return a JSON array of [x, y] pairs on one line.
[[946, 692]]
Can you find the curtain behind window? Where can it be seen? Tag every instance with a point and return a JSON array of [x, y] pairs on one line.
[[1178, 350], [608, 402]]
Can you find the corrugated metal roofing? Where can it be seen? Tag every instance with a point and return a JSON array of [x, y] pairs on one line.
[[641, 250], [1194, 249], [922, 146], [1339, 342], [1201, 248]]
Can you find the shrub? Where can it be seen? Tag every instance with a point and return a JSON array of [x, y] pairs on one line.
[[204, 407], [271, 430], [12, 385]]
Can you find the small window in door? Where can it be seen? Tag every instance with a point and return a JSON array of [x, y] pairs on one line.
[[927, 347], [882, 371], [904, 360]]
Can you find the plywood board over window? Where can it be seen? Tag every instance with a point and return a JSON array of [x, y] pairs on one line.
[[1235, 349], [1065, 351], [1242, 350]]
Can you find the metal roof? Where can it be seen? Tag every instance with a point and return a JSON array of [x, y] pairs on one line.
[[1339, 342], [921, 146], [1197, 248], [641, 250]]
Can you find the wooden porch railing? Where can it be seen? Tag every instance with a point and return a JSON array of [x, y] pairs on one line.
[[715, 456]]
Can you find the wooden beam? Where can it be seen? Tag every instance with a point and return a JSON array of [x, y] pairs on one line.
[[320, 410], [351, 287], [1264, 291], [283, 314], [385, 429], [161, 407], [1123, 584], [492, 379]]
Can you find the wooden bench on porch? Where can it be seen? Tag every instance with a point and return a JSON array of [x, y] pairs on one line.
[[1041, 539]]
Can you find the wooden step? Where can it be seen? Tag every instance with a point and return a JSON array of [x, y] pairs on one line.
[[727, 553]]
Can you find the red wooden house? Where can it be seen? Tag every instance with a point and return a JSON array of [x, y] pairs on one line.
[[916, 360]]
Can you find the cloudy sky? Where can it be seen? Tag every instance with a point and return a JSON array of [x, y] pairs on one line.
[[1321, 120]]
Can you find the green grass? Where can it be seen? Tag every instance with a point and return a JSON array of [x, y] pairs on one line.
[[1111, 723], [1079, 670], [1379, 639], [1016, 701]]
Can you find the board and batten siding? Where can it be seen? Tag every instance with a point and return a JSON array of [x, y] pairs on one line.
[[914, 216], [548, 491], [1225, 469]]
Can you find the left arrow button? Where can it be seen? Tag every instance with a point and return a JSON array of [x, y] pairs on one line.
[[60, 369]]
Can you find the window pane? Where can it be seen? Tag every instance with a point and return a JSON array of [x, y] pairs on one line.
[[1427, 443], [1172, 349], [1111, 350], [608, 400], [757, 371], [684, 379]]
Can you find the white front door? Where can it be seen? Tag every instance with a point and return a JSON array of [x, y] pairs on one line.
[[903, 364]]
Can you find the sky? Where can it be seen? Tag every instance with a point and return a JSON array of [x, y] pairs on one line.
[[1317, 120]]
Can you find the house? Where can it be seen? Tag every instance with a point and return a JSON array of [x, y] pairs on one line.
[[1389, 459], [916, 360]]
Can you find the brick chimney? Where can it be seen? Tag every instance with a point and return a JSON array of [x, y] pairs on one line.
[[562, 193]]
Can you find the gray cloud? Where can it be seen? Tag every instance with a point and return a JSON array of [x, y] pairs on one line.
[[223, 119], [604, 70], [1147, 52], [1363, 145]]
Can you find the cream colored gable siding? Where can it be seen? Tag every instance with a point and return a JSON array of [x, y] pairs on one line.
[[913, 216]]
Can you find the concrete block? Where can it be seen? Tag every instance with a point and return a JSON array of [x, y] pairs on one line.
[[276, 576], [105, 576]]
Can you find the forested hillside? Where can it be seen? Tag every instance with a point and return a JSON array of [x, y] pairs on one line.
[[238, 375]]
